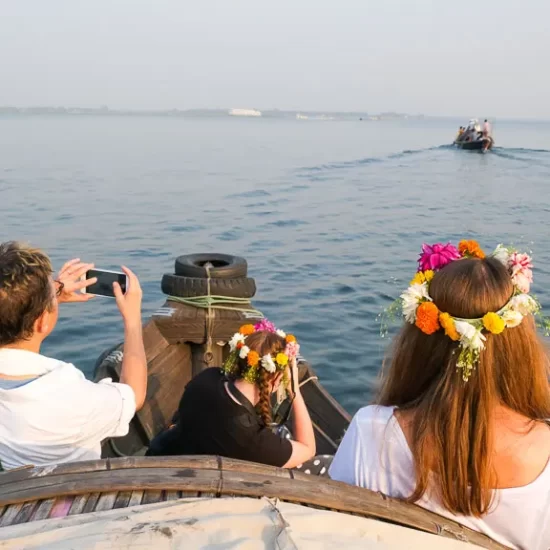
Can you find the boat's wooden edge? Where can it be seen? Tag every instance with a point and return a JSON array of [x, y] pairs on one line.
[[215, 476]]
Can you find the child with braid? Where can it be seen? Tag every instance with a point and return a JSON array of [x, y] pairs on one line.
[[228, 412]]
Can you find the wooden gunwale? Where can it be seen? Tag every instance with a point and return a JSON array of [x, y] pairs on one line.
[[113, 482]]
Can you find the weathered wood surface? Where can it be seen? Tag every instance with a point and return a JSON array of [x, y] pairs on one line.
[[188, 323], [150, 480]]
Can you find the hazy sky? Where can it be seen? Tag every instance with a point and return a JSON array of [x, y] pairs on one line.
[[439, 57]]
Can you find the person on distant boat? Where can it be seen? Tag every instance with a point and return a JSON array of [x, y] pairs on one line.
[[49, 412], [486, 129], [227, 411], [460, 133], [460, 424]]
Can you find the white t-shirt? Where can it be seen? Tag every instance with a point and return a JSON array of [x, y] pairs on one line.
[[59, 416], [375, 454]]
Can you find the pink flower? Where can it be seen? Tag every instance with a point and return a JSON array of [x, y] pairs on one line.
[[266, 325], [522, 276], [436, 256], [292, 349]]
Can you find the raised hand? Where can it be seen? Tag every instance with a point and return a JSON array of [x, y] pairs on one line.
[[69, 282], [129, 303]]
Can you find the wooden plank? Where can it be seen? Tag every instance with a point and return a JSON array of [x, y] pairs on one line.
[[119, 480], [10, 514], [15, 476], [168, 374], [26, 512], [122, 499], [61, 506], [172, 495], [91, 502], [106, 501], [150, 497], [78, 505], [43, 509], [136, 498], [194, 461]]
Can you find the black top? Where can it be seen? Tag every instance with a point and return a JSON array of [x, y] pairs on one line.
[[210, 422]]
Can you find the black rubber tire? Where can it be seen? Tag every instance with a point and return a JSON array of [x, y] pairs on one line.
[[189, 287], [225, 266]]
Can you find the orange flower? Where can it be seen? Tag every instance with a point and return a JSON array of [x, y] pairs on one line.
[[470, 249], [253, 358], [427, 317], [247, 330], [448, 326], [290, 338]]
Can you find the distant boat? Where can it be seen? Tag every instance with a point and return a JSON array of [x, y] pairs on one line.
[[245, 112], [301, 117], [473, 139]]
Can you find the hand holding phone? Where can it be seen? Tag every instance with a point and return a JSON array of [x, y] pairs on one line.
[[129, 303], [104, 281]]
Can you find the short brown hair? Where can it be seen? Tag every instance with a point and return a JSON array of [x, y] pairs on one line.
[[452, 425], [25, 290]]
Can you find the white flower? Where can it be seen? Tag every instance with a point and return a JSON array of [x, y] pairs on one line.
[[478, 340], [243, 353], [470, 337], [524, 304], [268, 364], [280, 333], [502, 255], [237, 337], [512, 318], [412, 297]]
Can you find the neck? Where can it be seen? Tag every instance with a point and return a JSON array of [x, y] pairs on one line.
[[33, 344], [249, 390]]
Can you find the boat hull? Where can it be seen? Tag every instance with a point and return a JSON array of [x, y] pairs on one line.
[[477, 145]]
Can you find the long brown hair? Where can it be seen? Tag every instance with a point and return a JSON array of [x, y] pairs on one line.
[[452, 422], [263, 342]]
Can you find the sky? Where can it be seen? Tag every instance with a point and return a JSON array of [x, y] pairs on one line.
[[435, 57]]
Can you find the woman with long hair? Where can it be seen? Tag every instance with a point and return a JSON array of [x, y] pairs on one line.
[[228, 411], [460, 422]]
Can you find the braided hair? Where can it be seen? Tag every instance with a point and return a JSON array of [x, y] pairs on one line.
[[263, 342]]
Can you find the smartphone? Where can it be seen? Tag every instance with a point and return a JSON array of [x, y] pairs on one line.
[[104, 284]]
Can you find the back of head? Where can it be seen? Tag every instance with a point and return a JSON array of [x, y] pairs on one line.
[[452, 426], [259, 345], [25, 290]]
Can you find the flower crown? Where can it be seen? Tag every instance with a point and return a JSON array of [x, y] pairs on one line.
[[239, 349], [418, 307]]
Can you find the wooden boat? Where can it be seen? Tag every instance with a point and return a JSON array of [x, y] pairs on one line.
[[84, 504]]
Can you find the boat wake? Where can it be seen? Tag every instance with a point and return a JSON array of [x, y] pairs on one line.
[[512, 153], [366, 161]]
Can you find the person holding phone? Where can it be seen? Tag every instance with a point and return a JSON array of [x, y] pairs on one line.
[[227, 411], [49, 412]]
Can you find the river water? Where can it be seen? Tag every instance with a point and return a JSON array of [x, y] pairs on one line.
[[329, 214]]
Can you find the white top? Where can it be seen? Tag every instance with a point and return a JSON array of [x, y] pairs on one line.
[[375, 454], [60, 416]]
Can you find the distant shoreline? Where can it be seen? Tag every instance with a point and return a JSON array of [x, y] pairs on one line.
[[204, 113]]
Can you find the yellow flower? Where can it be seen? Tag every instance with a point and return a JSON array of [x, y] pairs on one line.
[[493, 323], [422, 277], [281, 359], [448, 326]]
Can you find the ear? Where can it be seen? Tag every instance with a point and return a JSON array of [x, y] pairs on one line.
[[43, 324]]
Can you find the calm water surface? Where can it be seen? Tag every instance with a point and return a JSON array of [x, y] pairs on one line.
[[330, 215]]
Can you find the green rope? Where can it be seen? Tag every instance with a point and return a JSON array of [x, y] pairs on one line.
[[217, 302]]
